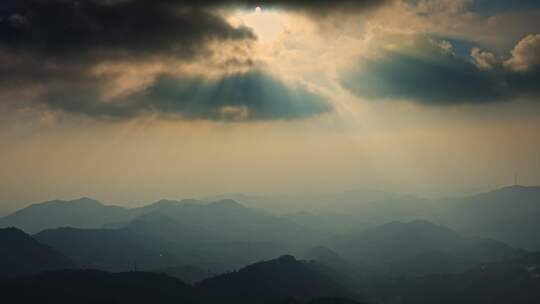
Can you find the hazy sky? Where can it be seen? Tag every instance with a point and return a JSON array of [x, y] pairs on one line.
[[129, 101]]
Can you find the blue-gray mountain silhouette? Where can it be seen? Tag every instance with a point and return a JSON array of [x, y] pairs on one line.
[[508, 214], [418, 247], [21, 255]]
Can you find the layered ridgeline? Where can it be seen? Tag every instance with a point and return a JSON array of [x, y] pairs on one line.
[[80, 213], [417, 248], [507, 214], [282, 280], [180, 236], [200, 243], [397, 249], [190, 220], [216, 236]]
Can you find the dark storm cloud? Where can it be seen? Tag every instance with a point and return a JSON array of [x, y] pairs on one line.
[[48, 42], [60, 28], [75, 28], [525, 83], [237, 97], [442, 81], [50, 48], [437, 76]]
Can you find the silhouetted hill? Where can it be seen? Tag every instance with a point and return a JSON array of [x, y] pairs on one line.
[[131, 248], [90, 286], [120, 249], [80, 213], [283, 280], [228, 221], [273, 281], [164, 227], [508, 214], [21, 255], [514, 281], [418, 247], [184, 221], [166, 203], [235, 252]]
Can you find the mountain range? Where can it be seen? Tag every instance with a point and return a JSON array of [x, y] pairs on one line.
[[395, 249], [416, 248], [282, 280], [507, 214]]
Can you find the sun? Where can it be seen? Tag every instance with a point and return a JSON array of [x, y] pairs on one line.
[[267, 24]]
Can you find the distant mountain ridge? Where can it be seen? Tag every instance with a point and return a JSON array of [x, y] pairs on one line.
[[80, 213], [417, 248], [199, 220], [509, 214], [119, 249], [125, 250], [245, 235]]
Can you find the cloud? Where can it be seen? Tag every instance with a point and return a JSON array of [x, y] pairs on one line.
[[173, 57], [427, 73], [103, 28], [483, 59], [433, 76], [95, 30], [55, 42], [525, 55], [247, 96]]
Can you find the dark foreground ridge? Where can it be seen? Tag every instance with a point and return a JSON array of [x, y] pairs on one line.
[[283, 280], [20, 255], [280, 281]]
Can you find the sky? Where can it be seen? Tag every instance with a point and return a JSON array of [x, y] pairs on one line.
[[130, 101]]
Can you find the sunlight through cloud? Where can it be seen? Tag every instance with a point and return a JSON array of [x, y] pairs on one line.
[[268, 25]]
